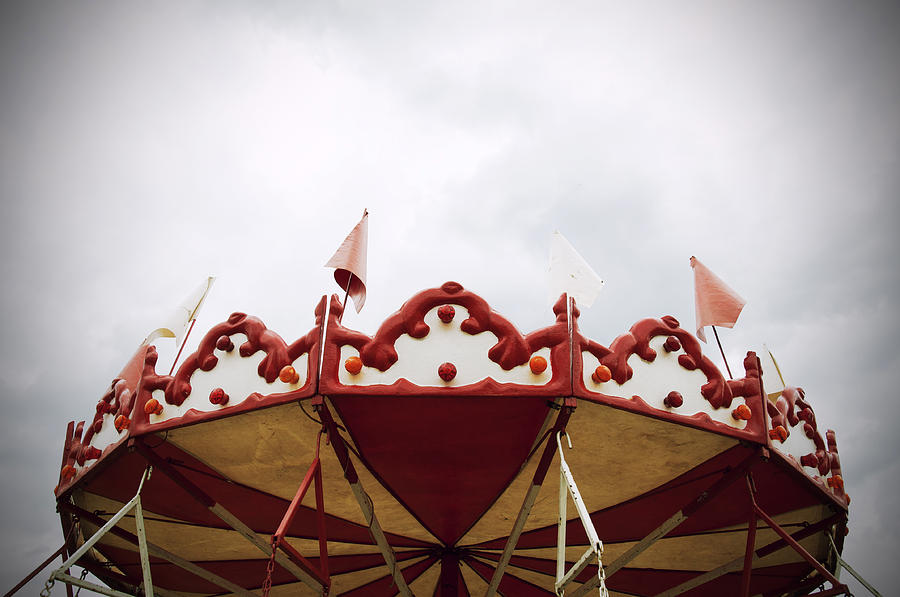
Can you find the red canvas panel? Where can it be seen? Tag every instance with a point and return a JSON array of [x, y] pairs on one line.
[[446, 459], [260, 511]]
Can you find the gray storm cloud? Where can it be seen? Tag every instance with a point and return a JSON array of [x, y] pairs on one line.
[[143, 148]]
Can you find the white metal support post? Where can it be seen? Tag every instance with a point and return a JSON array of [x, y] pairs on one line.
[[568, 487], [133, 504]]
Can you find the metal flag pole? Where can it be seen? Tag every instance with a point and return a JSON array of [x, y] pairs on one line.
[[186, 336], [727, 368], [346, 295]]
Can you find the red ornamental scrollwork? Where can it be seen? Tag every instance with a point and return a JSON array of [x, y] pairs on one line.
[[279, 354], [118, 401], [511, 350], [637, 341], [790, 410]]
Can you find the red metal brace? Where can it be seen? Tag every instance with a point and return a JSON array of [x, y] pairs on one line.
[[362, 498], [751, 539], [837, 587], [278, 539], [304, 572]]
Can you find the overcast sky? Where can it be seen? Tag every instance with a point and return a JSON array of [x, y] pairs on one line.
[[144, 146]]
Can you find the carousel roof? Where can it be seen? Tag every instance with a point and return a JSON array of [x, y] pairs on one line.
[[426, 460]]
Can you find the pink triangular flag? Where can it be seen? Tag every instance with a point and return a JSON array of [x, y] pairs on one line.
[[349, 262], [716, 303]]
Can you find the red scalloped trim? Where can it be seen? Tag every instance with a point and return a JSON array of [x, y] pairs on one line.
[[278, 355], [258, 338], [637, 341], [119, 399], [511, 350], [790, 410], [749, 388]]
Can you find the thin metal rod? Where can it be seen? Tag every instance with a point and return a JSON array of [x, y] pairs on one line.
[[298, 497], [839, 590], [531, 495], [855, 574], [69, 579], [309, 576], [748, 557], [193, 321], [104, 529], [320, 515], [142, 546], [583, 513], [561, 517], [760, 553], [796, 546], [346, 294], [313, 474], [580, 565], [159, 552], [704, 497], [35, 572], [595, 547], [362, 498], [727, 368]]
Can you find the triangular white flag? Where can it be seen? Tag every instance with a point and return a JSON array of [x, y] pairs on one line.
[[571, 274], [177, 323], [772, 378]]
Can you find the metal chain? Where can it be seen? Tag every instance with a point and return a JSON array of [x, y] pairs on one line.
[[84, 573], [270, 568], [45, 592], [604, 592]]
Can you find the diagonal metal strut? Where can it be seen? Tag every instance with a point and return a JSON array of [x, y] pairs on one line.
[[534, 489], [310, 576], [362, 498]]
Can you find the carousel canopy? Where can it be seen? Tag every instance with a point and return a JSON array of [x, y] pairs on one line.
[[434, 458]]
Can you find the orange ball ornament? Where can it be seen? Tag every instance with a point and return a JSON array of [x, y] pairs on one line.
[[289, 375], [601, 374], [353, 365], [538, 364], [122, 423], [742, 413], [779, 433], [153, 407]]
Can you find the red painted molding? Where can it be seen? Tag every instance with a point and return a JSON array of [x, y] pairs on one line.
[[511, 350], [129, 392], [792, 413], [278, 355], [637, 341], [719, 392]]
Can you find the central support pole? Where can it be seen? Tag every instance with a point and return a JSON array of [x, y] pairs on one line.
[[449, 580], [362, 498]]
